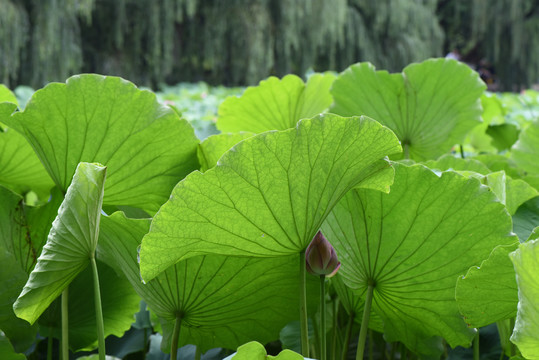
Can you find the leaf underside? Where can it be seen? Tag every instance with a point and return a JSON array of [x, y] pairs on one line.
[[269, 195], [412, 244]]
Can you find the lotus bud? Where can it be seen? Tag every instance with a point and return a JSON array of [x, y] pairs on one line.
[[320, 257]]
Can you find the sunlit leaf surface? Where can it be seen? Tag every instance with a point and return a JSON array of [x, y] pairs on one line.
[[488, 293], [71, 243], [412, 244], [269, 194], [526, 332], [223, 301], [430, 106], [91, 118], [276, 104]]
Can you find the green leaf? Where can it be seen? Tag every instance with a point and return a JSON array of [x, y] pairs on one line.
[[71, 243], [20, 244], [7, 350], [488, 293], [526, 332], [20, 168], [412, 244], [213, 147], [497, 162], [119, 303], [526, 218], [526, 150], [517, 193], [511, 192], [91, 118], [276, 104], [430, 106], [269, 194], [7, 95], [13, 277], [224, 301], [449, 162], [503, 135]]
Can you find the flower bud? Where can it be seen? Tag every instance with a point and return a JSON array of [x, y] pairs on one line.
[[320, 257]]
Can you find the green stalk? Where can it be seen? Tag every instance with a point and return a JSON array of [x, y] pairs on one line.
[[476, 346], [406, 150], [347, 336], [303, 307], [49, 345], [98, 312], [198, 353], [371, 348], [323, 317], [335, 326], [175, 338], [403, 351], [365, 323], [65, 324]]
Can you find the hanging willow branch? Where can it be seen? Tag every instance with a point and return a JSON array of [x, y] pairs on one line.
[[242, 41]]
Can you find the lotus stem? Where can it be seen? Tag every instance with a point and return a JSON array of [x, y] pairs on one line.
[[347, 336], [175, 338], [198, 353], [365, 323], [476, 346], [335, 326], [98, 312], [322, 317], [304, 326], [406, 150], [65, 324], [49, 345]]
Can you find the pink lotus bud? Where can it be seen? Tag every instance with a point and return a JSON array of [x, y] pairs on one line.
[[320, 257]]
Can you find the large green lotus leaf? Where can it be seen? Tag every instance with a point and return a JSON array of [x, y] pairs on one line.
[[7, 95], [224, 301], [119, 303], [213, 147], [488, 293], [91, 118], [430, 106], [412, 244], [526, 332], [526, 151], [269, 194], [276, 104], [70, 245]]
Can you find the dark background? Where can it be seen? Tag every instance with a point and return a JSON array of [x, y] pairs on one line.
[[240, 42]]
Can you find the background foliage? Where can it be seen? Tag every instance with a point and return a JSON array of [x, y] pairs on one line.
[[239, 42]]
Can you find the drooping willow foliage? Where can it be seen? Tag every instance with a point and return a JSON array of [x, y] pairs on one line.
[[503, 32], [238, 42]]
